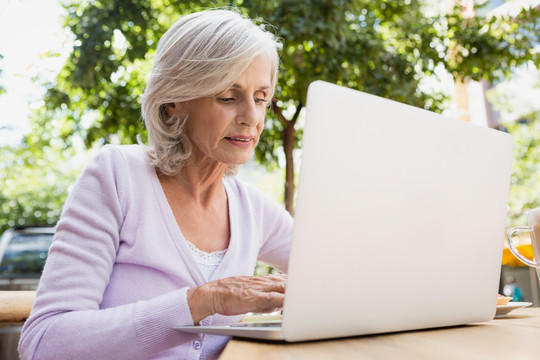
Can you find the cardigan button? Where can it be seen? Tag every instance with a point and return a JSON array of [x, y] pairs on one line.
[[197, 344]]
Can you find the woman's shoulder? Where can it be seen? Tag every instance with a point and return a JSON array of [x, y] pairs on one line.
[[126, 154], [135, 151], [125, 168]]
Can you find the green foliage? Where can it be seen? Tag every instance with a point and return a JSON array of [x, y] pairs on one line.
[[35, 178], [31, 193], [383, 47], [104, 75], [525, 183], [492, 47]]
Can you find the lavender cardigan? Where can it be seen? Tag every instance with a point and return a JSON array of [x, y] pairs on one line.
[[114, 285]]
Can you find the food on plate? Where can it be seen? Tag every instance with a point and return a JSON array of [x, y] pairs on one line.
[[503, 300]]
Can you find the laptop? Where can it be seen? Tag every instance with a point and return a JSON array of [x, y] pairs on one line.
[[399, 221]]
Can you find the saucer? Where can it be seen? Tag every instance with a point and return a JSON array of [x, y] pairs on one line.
[[503, 310]]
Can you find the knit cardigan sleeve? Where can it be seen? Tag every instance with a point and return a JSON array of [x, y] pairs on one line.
[[66, 321]]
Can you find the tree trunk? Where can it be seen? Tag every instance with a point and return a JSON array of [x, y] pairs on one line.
[[288, 138], [289, 133]]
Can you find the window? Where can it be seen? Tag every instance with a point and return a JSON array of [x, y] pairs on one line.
[[25, 254]]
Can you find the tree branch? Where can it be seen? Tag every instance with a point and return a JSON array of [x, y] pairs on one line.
[[297, 112], [277, 110]]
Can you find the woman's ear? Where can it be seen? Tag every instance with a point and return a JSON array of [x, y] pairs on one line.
[[173, 109]]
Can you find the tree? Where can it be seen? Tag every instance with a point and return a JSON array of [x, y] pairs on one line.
[[384, 47], [35, 177], [522, 121], [525, 182]]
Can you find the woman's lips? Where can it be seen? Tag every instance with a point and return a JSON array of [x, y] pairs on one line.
[[240, 141]]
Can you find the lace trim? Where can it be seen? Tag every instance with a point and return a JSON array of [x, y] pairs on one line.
[[203, 257]]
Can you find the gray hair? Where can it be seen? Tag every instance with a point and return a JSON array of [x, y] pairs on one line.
[[201, 55]]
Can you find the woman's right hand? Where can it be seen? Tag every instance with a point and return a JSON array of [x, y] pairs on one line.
[[237, 295]]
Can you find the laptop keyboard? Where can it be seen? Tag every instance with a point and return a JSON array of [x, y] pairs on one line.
[[266, 324]]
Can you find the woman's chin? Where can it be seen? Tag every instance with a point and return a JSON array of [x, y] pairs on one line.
[[239, 160]]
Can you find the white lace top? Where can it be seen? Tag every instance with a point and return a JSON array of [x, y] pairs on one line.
[[208, 262]]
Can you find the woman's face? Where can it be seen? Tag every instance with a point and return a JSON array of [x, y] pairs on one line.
[[225, 128]]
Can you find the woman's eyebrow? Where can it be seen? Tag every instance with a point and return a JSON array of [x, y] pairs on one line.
[[238, 86]]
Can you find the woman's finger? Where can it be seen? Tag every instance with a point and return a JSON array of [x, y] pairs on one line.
[[238, 295]]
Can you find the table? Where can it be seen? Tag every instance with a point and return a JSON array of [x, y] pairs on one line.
[[516, 336], [15, 306]]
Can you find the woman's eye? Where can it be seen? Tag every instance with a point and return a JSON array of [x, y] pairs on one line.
[[260, 101], [225, 100]]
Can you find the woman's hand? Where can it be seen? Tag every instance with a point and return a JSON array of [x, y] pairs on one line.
[[237, 295]]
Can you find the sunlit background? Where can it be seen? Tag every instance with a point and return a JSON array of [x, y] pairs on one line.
[[30, 30]]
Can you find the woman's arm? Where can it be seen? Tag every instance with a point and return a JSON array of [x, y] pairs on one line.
[[67, 321]]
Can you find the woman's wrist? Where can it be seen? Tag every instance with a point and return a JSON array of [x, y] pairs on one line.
[[200, 302]]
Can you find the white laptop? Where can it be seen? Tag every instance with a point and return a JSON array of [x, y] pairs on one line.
[[399, 221]]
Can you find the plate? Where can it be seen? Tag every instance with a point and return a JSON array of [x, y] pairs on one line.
[[503, 310]]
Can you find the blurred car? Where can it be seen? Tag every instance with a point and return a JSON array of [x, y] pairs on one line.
[[23, 251]]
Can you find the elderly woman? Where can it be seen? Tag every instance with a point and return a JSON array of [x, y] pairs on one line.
[[156, 237]]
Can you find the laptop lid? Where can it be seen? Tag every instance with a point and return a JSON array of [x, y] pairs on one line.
[[399, 219]]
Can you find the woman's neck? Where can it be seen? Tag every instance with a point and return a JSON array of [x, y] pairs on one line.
[[199, 184]]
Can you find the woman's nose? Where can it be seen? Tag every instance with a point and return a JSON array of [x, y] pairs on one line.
[[248, 114]]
